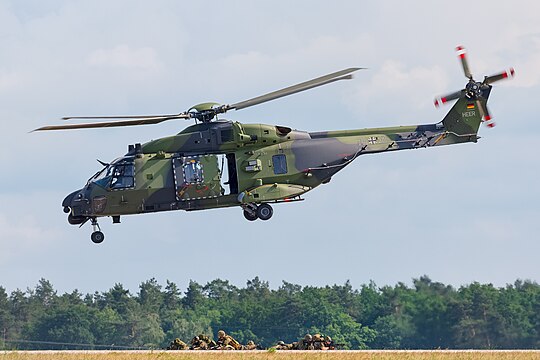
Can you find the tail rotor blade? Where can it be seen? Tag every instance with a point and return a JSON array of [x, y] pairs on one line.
[[484, 112], [509, 73], [444, 99], [462, 53]]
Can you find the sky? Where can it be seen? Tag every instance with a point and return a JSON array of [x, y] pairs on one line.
[[458, 214]]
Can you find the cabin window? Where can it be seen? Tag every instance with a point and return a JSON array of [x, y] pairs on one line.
[[123, 176], [193, 172], [227, 135], [279, 163]]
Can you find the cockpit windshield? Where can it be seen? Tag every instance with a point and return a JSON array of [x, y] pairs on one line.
[[120, 174]]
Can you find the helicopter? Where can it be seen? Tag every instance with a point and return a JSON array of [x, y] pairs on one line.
[[218, 163]]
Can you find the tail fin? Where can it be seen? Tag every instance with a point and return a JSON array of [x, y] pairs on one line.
[[463, 120]]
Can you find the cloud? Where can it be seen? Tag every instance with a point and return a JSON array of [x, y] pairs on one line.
[[122, 56], [394, 75], [10, 80], [527, 71], [397, 86], [22, 234]]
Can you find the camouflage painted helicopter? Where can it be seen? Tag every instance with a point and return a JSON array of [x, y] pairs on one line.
[[217, 163]]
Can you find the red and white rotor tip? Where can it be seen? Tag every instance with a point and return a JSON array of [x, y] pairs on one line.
[[461, 51], [440, 101], [488, 121], [509, 73]]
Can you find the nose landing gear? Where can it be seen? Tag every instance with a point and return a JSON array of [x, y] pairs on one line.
[[97, 236], [253, 211]]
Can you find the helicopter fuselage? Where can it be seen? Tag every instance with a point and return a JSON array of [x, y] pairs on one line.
[[223, 163], [219, 163]]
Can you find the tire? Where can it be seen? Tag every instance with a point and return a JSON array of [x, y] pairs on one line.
[[97, 237], [264, 212], [250, 217]]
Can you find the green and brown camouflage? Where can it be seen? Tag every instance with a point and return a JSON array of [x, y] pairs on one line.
[[220, 163], [177, 344], [184, 172]]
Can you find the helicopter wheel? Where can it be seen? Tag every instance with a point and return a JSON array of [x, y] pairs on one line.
[[97, 237], [251, 216], [264, 212]]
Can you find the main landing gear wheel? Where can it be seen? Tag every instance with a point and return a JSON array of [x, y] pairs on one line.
[[253, 211], [250, 215], [97, 237], [264, 212]]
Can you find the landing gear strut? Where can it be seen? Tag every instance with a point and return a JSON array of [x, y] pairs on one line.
[[97, 236], [253, 211]]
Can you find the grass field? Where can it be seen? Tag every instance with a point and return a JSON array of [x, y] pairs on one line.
[[265, 355]]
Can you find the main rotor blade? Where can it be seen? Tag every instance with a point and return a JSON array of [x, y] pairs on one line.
[[462, 53], [509, 73], [323, 80], [134, 122], [117, 117], [444, 99]]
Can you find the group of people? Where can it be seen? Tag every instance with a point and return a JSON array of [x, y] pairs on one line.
[[204, 342], [309, 342], [227, 342]]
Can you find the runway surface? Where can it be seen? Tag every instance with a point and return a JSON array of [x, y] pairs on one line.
[[202, 352]]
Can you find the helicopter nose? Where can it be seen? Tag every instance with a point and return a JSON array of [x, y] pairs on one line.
[[68, 201], [76, 206], [76, 203]]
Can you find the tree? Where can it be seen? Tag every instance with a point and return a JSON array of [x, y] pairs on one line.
[[185, 325], [388, 334], [480, 324], [150, 296], [219, 290], [65, 327], [118, 299], [194, 295], [6, 319], [256, 287], [145, 330], [107, 327], [171, 298], [429, 308], [427, 315], [45, 293]]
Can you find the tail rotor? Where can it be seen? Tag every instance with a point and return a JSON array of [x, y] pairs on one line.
[[474, 90]]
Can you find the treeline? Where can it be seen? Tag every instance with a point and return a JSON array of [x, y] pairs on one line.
[[427, 315]]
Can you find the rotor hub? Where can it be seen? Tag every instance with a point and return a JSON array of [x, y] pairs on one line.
[[474, 90]]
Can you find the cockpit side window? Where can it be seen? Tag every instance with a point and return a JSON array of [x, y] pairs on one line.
[[123, 176], [118, 175]]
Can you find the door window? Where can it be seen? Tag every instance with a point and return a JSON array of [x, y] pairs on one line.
[[193, 172]]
